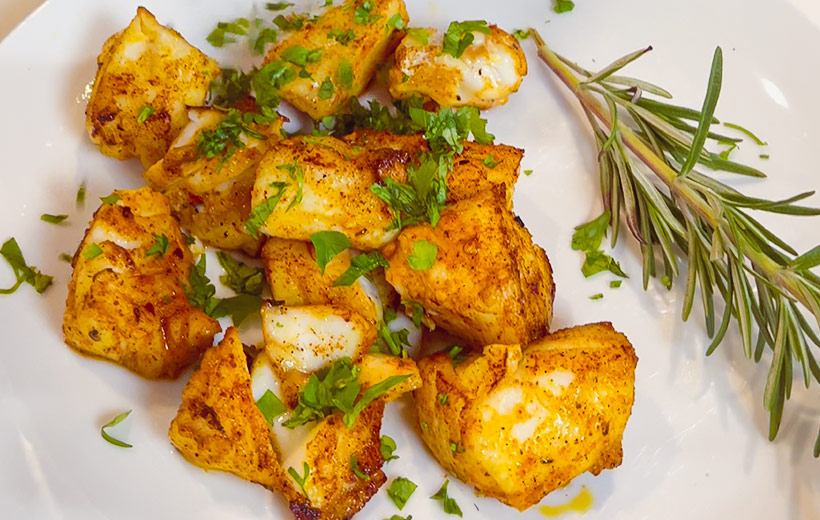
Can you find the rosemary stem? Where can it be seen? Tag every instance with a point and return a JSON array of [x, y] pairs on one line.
[[663, 171]]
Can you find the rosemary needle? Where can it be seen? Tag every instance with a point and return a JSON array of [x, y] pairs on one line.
[[648, 152]]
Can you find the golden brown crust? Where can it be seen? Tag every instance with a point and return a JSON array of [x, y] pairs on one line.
[[489, 284], [218, 426], [167, 74], [526, 423], [131, 308], [372, 44]]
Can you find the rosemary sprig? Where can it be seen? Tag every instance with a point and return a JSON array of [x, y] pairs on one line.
[[692, 216]]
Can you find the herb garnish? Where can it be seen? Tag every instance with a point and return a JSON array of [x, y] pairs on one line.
[[223, 32], [423, 256], [359, 265], [563, 6], [240, 277], [300, 479], [92, 250], [335, 389], [400, 490], [270, 406], [145, 113], [395, 22], [110, 424], [343, 37], [326, 89], [459, 36], [387, 446], [225, 138], [278, 6], [81, 194], [420, 35], [354, 466], [159, 247], [363, 14], [587, 238], [449, 504], [260, 213], [327, 245], [23, 272], [53, 219], [111, 199]]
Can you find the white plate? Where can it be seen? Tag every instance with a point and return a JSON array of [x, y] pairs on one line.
[[696, 444]]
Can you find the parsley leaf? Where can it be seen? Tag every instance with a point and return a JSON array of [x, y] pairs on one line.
[[225, 138], [65, 257], [53, 219], [443, 398], [597, 262], [260, 213], [614, 284], [111, 199], [563, 6], [159, 247], [268, 81], [326, 89], [527, 172], [422, 198], [521, 34], [420, 35], [395, 22], [11, 252], [397, 517], [293, 22], [360, 265], [363, 14], [588, 237], [277, 6], [240, 277], [354, 466], [490, 162], [300, 479], [400, 490], [387, 446], [266, 35], [450, 505], [201, 291], [81, 194], [327, 245], [394, 341], [298, 175], [423, 256], [343, 37], [270, 406], [92, 250], [596, 296], [110, 424], [223, 31], [145, 113], [459, 36], [238, 307], [457, 355], [345, 74], [299, 55], [336, 389], [418, 311]]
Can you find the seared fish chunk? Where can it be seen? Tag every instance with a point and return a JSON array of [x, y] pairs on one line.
[[317, 184], [490, 69], [489, 283], [211, 197], [478, 168], [218, 425], [334, 58], [517, 425], [332, 489], [126, 299], [147, 76]]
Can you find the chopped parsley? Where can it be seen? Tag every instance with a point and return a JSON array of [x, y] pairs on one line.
[[521, 34], [563, 6], [393, 341], [240, 277], [159, 247], [224, 32], [490, 162], [299, 55], [110, 424], [420, 35], [111, 199], [53, 219], [418, 311], [266, 36], [270, 406], [359, 265], [225, 138], [268, 81], [145, 113], [527, 172], [200, 291], [23, 272], [327, 245], [423, 256], [260, 213], [326, 89], [614, 284], [297, 174], [395, 22], [293, 22], [239, 307], [443, 398], [354, 467], [387, 446], [587, 238], [345, 75], [363, 15], [343, 37], [278, 6], [459, 36], [598, 296], [336, 389], [421, 199], [81, 194], [65, 257], [300, 479], [92, 250], [457, 355], [400, 490], [450, 506]]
